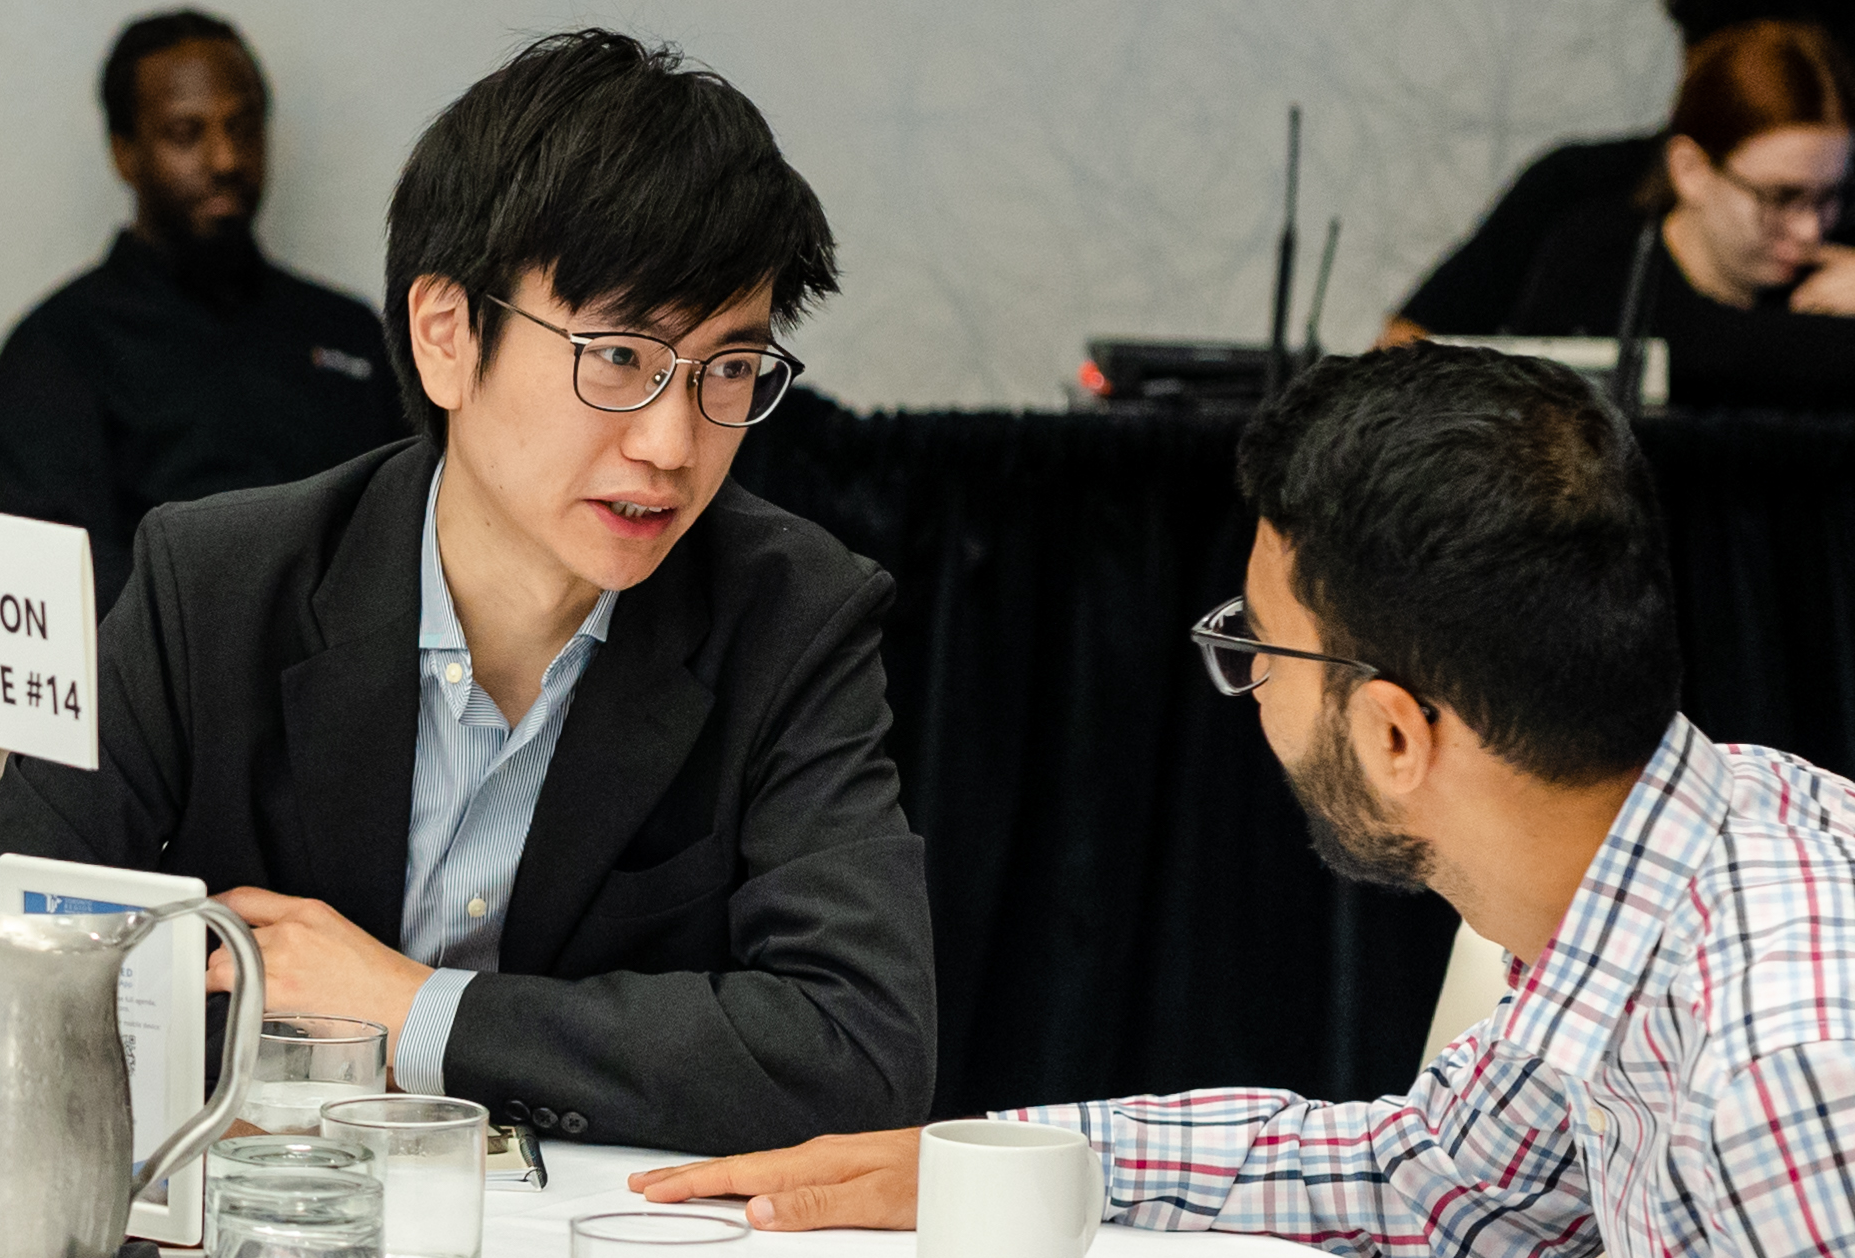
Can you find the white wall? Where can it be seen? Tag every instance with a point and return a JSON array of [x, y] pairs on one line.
[[1006, 177]]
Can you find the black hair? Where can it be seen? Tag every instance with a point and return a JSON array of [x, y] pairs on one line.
[[158, 32], [1699, 19], [639, 187], [1482, 528]]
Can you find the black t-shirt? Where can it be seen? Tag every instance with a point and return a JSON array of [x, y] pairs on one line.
[[1473, 291], [1718, 355], [128, 388]]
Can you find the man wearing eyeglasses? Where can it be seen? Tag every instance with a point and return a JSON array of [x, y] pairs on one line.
[[1458, 628], [537, 740]]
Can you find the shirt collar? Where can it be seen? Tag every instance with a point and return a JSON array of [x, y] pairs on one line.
[[224, 277], [1568, 1004], [439, 628]]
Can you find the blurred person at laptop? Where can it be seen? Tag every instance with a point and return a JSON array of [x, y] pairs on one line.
[[188, 362], [1458, 627], [1752, 298], [535, 738], [1474, 289]]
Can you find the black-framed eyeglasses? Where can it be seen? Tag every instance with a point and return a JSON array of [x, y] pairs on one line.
[[1238, 663], [627, 371], [1779, 203]]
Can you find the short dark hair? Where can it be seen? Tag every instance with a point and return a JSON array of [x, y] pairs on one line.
[[641, 188], [158, 32], [1484, 529]]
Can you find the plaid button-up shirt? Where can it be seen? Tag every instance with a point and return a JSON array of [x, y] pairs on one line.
[[1675, 1074]]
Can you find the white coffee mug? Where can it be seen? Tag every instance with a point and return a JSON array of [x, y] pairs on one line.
[[1006, 1190]]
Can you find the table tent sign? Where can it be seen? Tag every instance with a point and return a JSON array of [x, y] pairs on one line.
[[48, 642]]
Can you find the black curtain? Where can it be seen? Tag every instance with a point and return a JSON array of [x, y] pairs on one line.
[[1123, 893], [1761, 522]]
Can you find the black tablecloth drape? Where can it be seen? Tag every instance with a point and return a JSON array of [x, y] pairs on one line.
[[1123, 892]]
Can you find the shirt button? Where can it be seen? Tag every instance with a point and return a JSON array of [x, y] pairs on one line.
[[1598, 1119], [454, 672], [544, 1117], [517, 1111], [573, 1124], [477, 908]]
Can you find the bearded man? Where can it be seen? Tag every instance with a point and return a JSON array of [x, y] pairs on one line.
[[1459, 627], [187, 362]]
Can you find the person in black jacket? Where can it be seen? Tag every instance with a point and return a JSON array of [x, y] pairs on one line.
[[187, 363], [1475, 289], [1757, 307], [536, 739]]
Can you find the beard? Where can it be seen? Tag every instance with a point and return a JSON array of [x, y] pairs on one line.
[[218, 260], [1353, 831]]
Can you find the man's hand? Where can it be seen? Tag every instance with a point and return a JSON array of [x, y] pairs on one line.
[[1830, 290], [833, 1181], [317, 961]]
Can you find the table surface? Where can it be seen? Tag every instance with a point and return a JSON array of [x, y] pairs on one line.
[[590, 1179]]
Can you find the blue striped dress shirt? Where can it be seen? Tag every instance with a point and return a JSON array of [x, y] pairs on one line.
[[474, 785]]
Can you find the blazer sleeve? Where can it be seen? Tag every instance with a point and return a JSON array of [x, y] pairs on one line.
[[827, 1024], [123, 813]]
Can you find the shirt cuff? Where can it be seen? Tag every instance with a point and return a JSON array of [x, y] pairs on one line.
[[418, 1062]]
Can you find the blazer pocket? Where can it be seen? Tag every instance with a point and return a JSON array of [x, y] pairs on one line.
[[695, 873]]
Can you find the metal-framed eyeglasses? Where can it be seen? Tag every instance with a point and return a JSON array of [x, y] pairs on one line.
[[627, 371], [1779, 203], [1238, 663]]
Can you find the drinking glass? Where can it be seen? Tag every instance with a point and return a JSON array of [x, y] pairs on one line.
[[428, 1151], [328, 1214], [305, 1060], [639, 1232], [276, 1155]]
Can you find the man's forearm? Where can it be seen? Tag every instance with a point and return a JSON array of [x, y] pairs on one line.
[[703, 1063], [1396, 1176]]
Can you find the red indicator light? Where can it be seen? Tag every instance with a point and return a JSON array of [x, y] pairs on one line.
[[1091, 379]]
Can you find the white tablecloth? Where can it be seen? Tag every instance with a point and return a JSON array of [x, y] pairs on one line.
[[585, 1179]]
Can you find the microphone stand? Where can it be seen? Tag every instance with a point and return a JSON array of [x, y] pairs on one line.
[[1632, 320]]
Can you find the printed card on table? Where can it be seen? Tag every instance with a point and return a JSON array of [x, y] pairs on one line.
[[48, 642]]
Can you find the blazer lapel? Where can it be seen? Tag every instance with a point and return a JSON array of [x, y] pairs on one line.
[[636, 713], [351, 711]]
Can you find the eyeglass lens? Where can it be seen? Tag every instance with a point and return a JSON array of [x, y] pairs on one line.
[[1240, 670], [1788, 202], [737, 388], [1237, 670], [1783, 201]]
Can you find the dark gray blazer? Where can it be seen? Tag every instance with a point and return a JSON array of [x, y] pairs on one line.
[[718, 937]]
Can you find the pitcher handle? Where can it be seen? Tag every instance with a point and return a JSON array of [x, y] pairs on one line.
[[244, 1024]]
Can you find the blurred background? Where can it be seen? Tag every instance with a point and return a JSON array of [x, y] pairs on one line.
[[1005, 179]]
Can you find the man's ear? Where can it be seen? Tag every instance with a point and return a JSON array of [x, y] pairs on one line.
[[1397, 744], [126, 160], [444, 344]]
